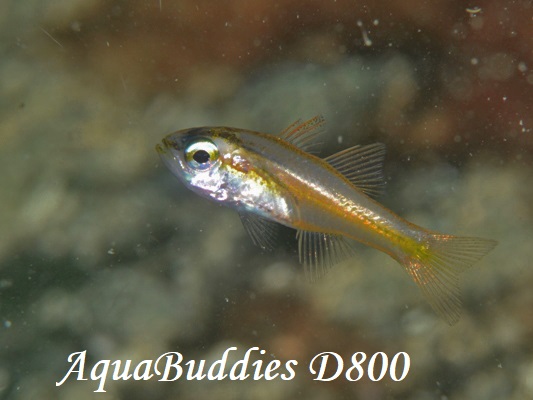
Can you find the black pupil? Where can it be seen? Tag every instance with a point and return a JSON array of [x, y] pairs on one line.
[[201, 156]]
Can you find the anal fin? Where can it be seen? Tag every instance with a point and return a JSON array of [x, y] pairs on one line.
[[320, 251]]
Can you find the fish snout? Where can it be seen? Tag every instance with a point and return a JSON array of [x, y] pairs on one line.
[[165, 146], [160, 148], [167, 143]]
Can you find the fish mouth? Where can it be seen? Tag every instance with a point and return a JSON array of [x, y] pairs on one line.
[[168, 154], [159, 149], [163, 149], [165, 152]]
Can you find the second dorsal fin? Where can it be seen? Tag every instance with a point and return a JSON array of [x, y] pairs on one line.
[[362, 166]]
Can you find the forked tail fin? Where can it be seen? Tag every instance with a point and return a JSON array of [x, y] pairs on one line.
[[436, 265]]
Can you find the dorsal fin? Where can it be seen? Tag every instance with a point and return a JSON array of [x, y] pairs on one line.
[[362, 166], [302, 134]]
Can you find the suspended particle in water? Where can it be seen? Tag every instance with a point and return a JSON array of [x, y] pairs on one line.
[[51, 37], [522, 67], [366, 39], [473, 10], [523, 128]]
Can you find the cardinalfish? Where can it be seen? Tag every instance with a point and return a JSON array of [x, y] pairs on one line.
[[272, 180]]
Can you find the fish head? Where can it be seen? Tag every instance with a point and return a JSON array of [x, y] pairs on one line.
[[203, 159]]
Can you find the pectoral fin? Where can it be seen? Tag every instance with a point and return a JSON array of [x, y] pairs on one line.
[[262, 231]]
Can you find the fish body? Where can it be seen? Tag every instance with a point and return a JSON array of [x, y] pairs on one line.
[[274, 180], [310, 195]]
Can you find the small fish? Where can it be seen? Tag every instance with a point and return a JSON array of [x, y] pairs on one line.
[[273, 180]]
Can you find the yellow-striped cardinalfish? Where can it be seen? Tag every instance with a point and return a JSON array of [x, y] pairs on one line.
[[273, 180]]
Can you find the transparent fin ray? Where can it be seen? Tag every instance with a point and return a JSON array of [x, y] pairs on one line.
[[362, 166], [436, 270], [318, 252], [303, 134], [262, 231]]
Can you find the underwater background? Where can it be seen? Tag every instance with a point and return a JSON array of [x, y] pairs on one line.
[[102, 249]]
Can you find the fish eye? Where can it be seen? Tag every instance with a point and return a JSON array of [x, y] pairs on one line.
[[201, 155]]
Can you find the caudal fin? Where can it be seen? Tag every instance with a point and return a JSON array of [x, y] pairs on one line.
[[436, 266]]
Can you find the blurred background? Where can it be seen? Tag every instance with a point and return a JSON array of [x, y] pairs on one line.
[[102, 249]]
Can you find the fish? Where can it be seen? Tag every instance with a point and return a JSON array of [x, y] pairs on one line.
[[273, 180]]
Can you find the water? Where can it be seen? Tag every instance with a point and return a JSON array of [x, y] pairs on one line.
[[103, 251]]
